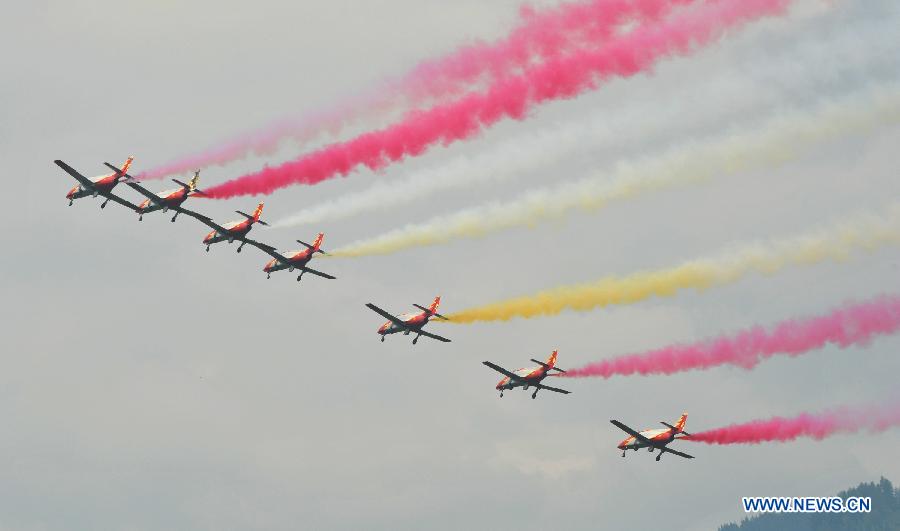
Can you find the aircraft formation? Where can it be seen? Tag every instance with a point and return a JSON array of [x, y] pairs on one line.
[[407, 324]]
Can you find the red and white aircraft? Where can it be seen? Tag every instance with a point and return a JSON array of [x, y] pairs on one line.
[[410, 322], [169, 199], [296, 259], [656, 439], [236, 230], [530, 377], [98, 186]]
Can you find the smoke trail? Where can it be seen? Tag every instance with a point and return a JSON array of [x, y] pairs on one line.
[[778, 139], [874, 418], [539, 35], [863, 233], [565, 77], [819, 57], [850, 325]]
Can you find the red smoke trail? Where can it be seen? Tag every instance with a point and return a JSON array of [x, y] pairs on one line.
[[540, 35], [564, 77], [846, 326], [873, 418]]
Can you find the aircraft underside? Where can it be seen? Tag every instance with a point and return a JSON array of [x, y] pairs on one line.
[[404, 331], [230, 238], [82, 192]]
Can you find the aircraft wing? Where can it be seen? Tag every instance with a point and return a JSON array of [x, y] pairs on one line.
[[261, 246], [387, 316], [271, 251], [323, 275], [554, 389], [78, 177], [123, 202], [433, 336], [195, 215], [502, 371], [633, 433], [679, 454], [155, 199], [212, 224]]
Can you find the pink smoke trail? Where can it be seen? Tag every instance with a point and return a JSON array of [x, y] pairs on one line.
[[849, 325], [564, 77], [874, 418], [539, 35]]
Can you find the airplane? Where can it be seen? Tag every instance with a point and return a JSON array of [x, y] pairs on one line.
[[236, 230], [167, 200], [656, 439], [296, 259], [529, 377], [410, 322], [102, 185]]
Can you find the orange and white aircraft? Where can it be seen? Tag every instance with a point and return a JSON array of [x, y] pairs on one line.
[[656, 439], [529, 377], [98, 186], [236, 230], [169, 199], [296, 259], [410, 322]]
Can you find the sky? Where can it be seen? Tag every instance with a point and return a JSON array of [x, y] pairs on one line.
[[149, 385]]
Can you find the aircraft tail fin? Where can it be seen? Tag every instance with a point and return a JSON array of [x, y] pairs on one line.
[[679, 426], [256, 214], [432, 310], [122, 171], [316, 245], [551, 361], [681, 421], [550, 364]]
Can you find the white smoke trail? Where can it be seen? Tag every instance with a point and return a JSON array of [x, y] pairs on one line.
[[825, 60], [777, 140]]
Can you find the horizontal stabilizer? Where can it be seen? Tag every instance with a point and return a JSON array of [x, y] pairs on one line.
[[542, 364], [308, 246], [674, 428], [251, 218], [120, 173], [428, 311]]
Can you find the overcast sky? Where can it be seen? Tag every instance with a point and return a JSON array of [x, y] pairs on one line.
[[149, 385]]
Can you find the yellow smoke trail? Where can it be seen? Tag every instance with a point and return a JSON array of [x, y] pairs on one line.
[[863, 233], [777, 140]]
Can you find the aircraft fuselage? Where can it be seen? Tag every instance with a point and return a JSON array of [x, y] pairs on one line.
[[296, 259], [413, 322], [101, 185], [233, 231], [662, 436], [170, 198], [529, 376]]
